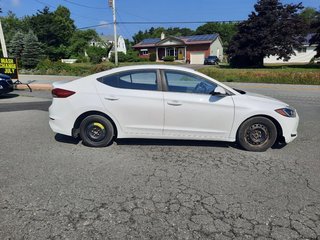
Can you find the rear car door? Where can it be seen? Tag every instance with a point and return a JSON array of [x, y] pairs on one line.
[[134, 98]]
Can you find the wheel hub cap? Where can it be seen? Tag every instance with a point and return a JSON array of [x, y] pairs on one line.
[[96, 131], [257, 134]]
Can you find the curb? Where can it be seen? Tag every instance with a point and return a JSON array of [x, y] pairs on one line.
[[44, 87]]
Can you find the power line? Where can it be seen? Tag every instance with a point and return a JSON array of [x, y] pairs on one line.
[[75, 14], [163, 22], [85, 6], [124, 26]]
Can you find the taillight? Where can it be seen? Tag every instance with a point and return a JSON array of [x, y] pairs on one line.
[[61, 93]]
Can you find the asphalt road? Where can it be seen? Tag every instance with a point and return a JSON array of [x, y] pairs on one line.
[[53, 187]]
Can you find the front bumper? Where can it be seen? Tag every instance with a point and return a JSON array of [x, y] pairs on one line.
[[290, 128]]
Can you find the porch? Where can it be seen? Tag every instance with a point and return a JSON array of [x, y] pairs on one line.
[[179, 53]]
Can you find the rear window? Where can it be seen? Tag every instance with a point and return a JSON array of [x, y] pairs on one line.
[[138, 80]]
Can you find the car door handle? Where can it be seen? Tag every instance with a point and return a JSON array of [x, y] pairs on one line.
[[111, 98], [174, 103]]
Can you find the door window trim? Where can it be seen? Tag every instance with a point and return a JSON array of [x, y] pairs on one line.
[[156, 71]]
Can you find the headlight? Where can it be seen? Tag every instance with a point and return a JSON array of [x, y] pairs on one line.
[[287, 112]]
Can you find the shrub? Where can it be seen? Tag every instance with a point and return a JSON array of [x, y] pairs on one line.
[[58, 68], [96, 54], [132, 56], [168, 59], [121, 57], [152, 57], [101, 67]]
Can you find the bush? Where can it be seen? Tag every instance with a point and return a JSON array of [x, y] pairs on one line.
[[81, 59], [132, 56], [168, 59], [96, 54], [59, 68], [101, 67], [152, 57], [121, 57]]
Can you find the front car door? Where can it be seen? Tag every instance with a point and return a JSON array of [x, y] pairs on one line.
[[191, 111], [134, 98]]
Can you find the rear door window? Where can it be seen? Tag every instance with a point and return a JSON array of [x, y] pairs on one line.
[[138, 80]]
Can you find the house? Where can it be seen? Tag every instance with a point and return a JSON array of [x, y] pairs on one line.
[[190, 49], [304, 54], [107, 40]]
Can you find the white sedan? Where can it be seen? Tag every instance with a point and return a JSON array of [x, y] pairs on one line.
[[167, 102]]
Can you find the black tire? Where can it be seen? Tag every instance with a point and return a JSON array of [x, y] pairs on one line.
[[96, 131], [257, 134]]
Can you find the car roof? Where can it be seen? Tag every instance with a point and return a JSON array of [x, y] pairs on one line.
[[142, 67], [151, 66]]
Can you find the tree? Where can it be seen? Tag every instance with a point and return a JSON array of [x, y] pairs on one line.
[[225, 30], [16, 45], [11, 24], [316, 37], [32, 53], [273, 29], [308, 15], [80, 40], [96, 54], [53, 29]]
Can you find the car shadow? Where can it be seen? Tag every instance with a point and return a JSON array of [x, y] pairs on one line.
[[66, 139], [8, 95], [278, 145], [166, 142]]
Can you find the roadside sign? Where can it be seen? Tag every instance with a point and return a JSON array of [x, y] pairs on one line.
[[9, 67]]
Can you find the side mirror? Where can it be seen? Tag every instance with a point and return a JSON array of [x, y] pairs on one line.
[[219, 91]]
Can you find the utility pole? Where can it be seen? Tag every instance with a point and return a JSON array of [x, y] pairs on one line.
[[3, 43], [112, 4]]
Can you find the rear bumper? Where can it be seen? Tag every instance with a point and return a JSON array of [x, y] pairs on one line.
[[61, 117]]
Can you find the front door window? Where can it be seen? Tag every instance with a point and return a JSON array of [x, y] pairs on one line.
[[188, 83]]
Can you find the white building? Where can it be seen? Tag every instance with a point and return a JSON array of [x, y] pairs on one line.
[[107, 40], [302, 55]]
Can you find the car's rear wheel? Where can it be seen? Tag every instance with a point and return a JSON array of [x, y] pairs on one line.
[[257, 134], [96, 131]]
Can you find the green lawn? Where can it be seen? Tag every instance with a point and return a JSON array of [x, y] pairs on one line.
[[290, 74]]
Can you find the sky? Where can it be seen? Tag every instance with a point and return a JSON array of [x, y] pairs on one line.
[[94, 12]]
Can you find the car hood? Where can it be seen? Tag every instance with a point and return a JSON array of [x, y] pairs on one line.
[[265, 99]]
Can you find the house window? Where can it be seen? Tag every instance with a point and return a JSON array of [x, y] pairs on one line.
[[144, 52], [302, 50], [171, 52]]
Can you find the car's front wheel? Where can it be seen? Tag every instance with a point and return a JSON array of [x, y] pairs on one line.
[[96, 131], [257, 134]]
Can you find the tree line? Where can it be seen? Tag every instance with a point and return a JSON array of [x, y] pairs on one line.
[[272, 28], [51, 35]]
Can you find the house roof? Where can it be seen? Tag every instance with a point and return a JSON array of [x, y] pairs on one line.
[[188, 40]]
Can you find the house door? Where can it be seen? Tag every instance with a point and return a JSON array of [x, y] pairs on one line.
[[180, 53], [161, 53]]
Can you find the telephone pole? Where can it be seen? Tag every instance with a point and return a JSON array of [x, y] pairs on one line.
[[3, 43], [112, 4]]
